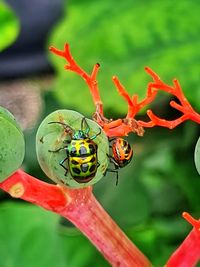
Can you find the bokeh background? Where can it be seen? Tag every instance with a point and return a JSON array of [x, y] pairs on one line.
[[125, 36]]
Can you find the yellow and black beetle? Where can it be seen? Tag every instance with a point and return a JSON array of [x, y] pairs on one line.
[[81, 152]]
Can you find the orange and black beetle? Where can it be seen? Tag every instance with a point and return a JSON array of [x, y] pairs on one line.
[[122, 154]]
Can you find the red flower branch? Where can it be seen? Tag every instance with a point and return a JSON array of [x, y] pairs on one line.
[[122, 127], [188, 112], [83, 210], [188, 254]]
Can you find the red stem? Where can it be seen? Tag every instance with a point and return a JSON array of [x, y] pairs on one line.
[[104, 233], [89, 79], [188, 254], [81, 208]]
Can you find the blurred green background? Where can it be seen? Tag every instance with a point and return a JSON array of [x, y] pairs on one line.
[[161, 182]]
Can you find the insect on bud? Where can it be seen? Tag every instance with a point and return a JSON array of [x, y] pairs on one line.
[[71, 149]]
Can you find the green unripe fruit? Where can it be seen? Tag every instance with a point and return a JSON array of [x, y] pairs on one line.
[[52, 136], [197, 155], [12, 146]]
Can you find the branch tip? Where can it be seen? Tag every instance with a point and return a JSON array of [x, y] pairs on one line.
[[152, 74], [114, 78], [66, 46], [195, 223], [51, 48]]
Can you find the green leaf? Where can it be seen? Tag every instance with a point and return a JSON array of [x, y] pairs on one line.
[[51, 137], [124, 40], [128, 202], [28, 237], [159, 189], [12, 146], [197, 155], [9, 29], [31, 236]]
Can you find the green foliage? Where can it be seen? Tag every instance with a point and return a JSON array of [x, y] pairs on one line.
[[122, 201], [124, 38], [9, 29], [197, 156], [32, 237], [12, 147], [52, 137]]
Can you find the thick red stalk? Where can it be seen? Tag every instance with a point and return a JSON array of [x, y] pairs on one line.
[[104, 233], [81, 208]]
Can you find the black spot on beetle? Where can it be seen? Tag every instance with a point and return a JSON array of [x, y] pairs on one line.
[[92, 168], [92, 148], [76, 170], [73, 151], [93, 159], [74, 162]]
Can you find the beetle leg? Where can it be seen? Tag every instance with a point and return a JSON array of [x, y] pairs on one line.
[[112, 160], [57, 150], [67, 142], [111, 139], [61, 164], [115, 171], [94, 136], [65, 147], [116, 166]]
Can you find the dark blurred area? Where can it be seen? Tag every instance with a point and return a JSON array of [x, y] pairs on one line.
[[27, 56], [25, 71]]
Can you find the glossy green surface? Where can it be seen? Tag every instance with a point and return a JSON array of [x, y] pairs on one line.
[[12, 146], [197, 156]]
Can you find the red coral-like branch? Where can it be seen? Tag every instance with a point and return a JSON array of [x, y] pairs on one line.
[[118, 127], [90, 79], [188, 112], [122, 127]]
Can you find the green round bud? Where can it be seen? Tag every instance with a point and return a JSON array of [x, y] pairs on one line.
[[12, 145], [197, 155], [51, 147]]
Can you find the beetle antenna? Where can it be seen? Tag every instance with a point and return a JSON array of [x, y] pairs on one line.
[[67, 128], [85, 123]]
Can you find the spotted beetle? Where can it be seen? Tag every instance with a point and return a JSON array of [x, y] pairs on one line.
[[81, 152], [122, 154]]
